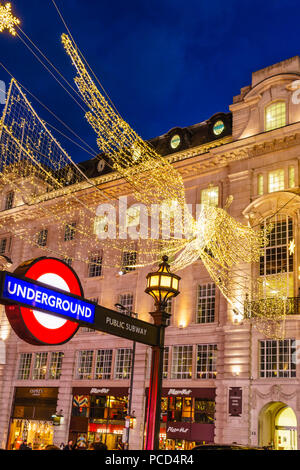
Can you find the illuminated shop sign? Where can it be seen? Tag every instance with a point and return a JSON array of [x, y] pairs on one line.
[[35, 296]]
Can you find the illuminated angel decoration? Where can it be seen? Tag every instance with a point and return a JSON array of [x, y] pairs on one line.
[[35, 165]]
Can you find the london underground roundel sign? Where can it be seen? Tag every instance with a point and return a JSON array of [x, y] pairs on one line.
[[36, 327]]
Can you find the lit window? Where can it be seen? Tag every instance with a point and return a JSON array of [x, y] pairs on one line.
[[276, 257], [182, 362], [3, 246], [275, 115], [206, 303], [175, 141], [260, 184], [275, 181], [40, 366], [55, 365], [126, 300], [42, 237], [9, 200], [24, 366], [128, 260], [69, 231], [103, 364], [291, 176], [210, 196], [277, 358], [95, 266], [206, 361], [84, 364], [123, 363]]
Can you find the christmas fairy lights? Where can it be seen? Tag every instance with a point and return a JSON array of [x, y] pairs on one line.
[[51, 190]]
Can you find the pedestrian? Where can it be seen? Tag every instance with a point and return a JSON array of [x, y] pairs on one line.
[[98, 446], [24, 445], [69, 446], [62, 446]]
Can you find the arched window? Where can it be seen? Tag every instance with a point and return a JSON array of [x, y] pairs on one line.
[[275, 115]]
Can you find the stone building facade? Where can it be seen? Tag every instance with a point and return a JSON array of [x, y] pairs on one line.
[[224, 381]]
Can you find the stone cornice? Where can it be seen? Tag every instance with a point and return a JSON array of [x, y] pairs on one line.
[[190, 162]]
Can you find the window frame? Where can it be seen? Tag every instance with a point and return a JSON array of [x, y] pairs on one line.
[[273, 104]]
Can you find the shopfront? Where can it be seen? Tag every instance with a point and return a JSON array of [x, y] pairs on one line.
[[98, 415], [31, 415], [187, 417]]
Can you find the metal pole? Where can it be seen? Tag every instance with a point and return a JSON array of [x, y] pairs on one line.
[[155, 386], [130, 395], [131, 314]]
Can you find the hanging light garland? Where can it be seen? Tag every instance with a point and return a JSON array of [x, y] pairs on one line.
[[58, 192]]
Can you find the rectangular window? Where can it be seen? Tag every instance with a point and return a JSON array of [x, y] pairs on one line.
[[278, 358], [277, 258], [210, 196], [95, 266], [126, 300], [206, 361], [85, 364], [103, 364], [70, 231], [166, 362], [123, 363], [9, 200], [292, 177], [42, 237], [55, 365], [182, 361], [260, 184], [206, 303], [24, 366], [3, 246], [40, 366], [275, 115], [128, 261], [275, 181]]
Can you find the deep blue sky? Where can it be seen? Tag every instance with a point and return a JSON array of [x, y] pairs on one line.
[[164, 63]]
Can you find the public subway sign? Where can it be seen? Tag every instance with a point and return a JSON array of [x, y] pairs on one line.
[[44, 300], [44, 304]]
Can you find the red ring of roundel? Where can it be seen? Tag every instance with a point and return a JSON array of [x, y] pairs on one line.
[[23, 320]]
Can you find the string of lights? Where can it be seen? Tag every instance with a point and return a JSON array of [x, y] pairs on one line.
[[55, 189]]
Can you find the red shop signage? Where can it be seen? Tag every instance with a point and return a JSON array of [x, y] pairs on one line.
[[107, 429], [205, 393], [104, 391]]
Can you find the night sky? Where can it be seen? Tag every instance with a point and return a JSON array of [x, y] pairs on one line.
[[164, 63]]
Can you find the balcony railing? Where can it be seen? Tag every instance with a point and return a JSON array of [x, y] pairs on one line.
[[289, 306]]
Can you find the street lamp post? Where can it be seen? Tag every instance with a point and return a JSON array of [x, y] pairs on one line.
[[161, 285]]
